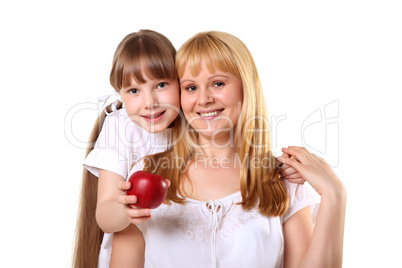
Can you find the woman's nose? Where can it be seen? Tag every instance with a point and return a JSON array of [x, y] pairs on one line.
[[205, 97]]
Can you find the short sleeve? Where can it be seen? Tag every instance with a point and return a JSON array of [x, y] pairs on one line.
[[301, 196], [106, 154]]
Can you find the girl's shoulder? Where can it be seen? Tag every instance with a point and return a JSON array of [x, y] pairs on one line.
[[300, 196], [120, 121]]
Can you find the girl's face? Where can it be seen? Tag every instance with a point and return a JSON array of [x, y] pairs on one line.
[[152, 105], [211, 102]]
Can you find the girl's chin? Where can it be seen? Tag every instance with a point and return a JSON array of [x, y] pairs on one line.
[[155, 128]]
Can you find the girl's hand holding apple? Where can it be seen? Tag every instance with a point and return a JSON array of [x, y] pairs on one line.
[[144, 191]]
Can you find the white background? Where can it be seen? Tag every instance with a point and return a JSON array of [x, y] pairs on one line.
[[345, 55]]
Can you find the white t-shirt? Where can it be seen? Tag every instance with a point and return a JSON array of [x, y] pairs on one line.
[[220, 233], [122, 143]]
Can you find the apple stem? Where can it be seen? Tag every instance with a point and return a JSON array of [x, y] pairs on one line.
[[156, 169]]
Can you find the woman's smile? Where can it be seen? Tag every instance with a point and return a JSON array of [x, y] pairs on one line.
[[211, 101], [211, 114]]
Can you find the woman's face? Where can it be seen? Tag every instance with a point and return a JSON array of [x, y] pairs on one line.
[[211, 102]]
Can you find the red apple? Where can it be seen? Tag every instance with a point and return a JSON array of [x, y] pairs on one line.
[[150, 189]]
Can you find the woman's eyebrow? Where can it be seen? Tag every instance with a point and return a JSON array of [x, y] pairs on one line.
[[185, 80], [217, 75], [209, 78]]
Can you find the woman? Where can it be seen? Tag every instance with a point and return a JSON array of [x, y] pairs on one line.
[[226, 205]]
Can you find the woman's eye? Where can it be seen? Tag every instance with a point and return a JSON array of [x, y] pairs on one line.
[[133, 91], [190, 88], [161, 85], [218, 84]]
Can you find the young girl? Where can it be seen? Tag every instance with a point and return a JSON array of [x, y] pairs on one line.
[[145, 80], [227, 205]]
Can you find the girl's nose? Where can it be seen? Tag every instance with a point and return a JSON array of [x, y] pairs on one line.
[[151, 100]]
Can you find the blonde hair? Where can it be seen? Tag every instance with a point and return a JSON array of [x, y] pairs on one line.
[[141, 53], [260, 185]]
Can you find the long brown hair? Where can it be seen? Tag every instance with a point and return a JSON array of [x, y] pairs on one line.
[[141, 53], [260, 185]]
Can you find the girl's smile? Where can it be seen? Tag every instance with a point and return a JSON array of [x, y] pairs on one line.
[[152, 105], [154, 117]]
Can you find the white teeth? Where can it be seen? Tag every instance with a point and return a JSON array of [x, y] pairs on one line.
[[209, 114], [154, 116]]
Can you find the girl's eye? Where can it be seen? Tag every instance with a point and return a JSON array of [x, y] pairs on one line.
[[190, 88], [133, 91], [161, 85]]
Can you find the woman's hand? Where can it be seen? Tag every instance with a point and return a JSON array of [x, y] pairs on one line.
[[136, 215], [289, 173], [313, 169]]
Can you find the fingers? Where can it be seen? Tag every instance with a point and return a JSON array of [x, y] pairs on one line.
[[319, 158], [298, 181], [292, 175], [126, 199], [123, 198], [295, 175], [293, 162], [282, 166], [298, 152], [287, 170], [138, 215], [140, 220], [124, 186]]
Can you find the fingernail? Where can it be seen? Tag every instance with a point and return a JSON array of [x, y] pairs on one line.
[[281, 159]]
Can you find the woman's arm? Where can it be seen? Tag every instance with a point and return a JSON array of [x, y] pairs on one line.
[[113, 212], [128, 248], [326, 246]]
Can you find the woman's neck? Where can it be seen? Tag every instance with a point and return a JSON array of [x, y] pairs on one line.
[[214, 148]]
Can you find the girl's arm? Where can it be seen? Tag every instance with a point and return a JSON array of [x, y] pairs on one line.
[[290, 173], [322, 247], [128, 248], [113, 211], [298, 230]]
